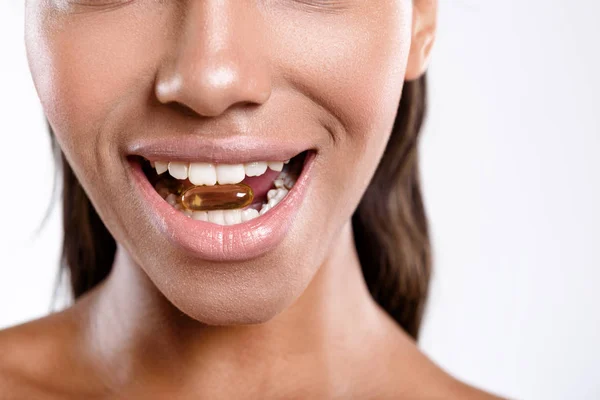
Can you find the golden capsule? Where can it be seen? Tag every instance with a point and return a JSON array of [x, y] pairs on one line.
[[217, 197]]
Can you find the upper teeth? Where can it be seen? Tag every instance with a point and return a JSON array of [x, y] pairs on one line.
[[211, 174]]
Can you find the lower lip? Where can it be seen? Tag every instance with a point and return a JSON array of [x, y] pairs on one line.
[[214, 242]]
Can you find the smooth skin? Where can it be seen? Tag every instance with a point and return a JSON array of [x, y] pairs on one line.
[[295, 323]]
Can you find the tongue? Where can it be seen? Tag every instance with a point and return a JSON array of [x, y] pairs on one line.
[[261, 184]]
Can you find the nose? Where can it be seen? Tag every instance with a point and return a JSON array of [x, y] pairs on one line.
[[217, 60]]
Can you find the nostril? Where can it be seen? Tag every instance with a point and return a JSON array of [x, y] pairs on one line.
[[182, 109], [188, 111]]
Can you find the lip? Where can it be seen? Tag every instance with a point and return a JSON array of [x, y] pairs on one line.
[[226, 150], [222, 243]]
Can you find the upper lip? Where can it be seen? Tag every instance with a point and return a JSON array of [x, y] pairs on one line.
[[236, 149]]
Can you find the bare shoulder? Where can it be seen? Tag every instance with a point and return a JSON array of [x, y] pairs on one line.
[[22, 349], [409, 373], [35, 360]]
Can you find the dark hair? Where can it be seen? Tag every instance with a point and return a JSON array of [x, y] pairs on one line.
[[390, 225]]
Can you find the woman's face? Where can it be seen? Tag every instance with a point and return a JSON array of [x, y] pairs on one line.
[[222, 82]]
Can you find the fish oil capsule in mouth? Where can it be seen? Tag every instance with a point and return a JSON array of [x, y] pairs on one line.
[[217, 197]]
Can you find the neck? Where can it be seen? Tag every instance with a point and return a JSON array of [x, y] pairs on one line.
[[136, 334]]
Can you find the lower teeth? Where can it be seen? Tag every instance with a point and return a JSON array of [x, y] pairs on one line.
[[281, 187]]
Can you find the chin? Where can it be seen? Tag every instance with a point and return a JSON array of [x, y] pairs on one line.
[[237, 293]]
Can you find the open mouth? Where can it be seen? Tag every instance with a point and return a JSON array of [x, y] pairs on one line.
[[224, 194]]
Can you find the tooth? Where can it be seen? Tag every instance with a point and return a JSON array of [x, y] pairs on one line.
[[276, 165], [188, 213], [216, 217], [227, 174], [284, 180], [248, 214], [163, 192], [281, 193], [178, 170], [200, 215], [286, 161], [289, 182], [264, 209], [276, 194], [256, 168], [171, 199], [232, 217], [203, 174], [161, 167], [276, 197]]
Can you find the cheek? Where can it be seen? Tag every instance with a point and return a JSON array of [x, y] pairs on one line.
[[91, 72], [85, 67], [355, 68]]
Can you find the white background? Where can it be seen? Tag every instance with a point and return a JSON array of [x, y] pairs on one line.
[[512, 185]]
